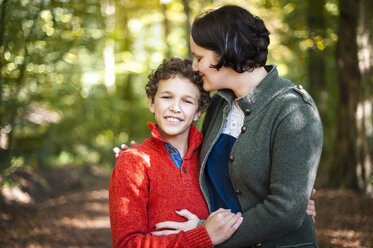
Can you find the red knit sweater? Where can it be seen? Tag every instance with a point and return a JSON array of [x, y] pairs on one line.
[[146, 188]]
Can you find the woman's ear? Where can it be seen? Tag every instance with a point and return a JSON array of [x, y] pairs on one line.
[[151, 104]]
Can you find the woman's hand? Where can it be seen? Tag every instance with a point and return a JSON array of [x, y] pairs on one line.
[[191, 223], [123, 147], [311, 208], [221, 225]]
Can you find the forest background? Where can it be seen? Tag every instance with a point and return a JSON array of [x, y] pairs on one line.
[[73, 75]]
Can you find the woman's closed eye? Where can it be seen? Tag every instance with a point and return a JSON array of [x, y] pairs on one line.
[[197, 59]]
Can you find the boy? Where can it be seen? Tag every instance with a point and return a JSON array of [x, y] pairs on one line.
[[152, 180]]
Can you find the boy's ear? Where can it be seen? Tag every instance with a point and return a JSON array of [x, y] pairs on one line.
[[197, 115], [151, 104]]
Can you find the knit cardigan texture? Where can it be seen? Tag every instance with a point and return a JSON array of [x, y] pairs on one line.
[[146, 188], [273, 162]]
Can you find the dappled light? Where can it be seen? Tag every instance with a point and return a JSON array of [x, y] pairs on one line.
[[77, 219], [14, 193], [72, 79]]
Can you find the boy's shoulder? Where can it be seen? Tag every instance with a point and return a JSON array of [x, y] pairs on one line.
[[137, 153]]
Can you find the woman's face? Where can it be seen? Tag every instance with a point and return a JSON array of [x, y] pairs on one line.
[[202, 60]]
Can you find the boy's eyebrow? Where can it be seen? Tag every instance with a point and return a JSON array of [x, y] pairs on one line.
[[169, 92], [189, 96]]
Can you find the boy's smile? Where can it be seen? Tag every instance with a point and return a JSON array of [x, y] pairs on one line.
[[175, 107]]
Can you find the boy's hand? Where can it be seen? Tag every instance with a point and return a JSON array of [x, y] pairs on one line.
[[221, 225], [123, 147], [191, 223]]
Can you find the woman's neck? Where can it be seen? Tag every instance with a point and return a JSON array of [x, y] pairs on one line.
[[247, 81]]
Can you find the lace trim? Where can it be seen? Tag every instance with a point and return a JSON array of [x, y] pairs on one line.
[[234, 122]]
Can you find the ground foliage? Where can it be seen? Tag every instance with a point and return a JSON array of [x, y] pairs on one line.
[[75, 214]]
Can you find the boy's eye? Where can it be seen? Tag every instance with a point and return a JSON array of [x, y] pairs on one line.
[[187, 101], [166, 97]]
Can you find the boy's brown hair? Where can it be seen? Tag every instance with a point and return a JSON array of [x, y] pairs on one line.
[[172, 67]]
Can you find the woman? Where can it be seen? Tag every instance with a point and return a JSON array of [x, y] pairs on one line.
[[262, 134]]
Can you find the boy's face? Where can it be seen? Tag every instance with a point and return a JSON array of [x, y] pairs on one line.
[[175, 106]]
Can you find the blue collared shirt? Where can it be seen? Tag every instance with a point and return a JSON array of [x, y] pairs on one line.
[[174, 154]]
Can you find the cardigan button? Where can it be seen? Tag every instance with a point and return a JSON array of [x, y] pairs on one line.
[[247, 111], [243, 129], [231, 158], [170, 151], [184, 170], [258, 245], [238, 191], [300, 87]]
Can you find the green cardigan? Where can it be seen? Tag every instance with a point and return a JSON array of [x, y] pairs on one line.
[[273, 163]]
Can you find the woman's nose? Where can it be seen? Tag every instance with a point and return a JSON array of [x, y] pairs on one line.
[[194, 65]]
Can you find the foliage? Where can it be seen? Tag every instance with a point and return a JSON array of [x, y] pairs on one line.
[[73, 72]]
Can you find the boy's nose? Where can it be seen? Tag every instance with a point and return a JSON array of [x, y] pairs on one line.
[[175, 107]]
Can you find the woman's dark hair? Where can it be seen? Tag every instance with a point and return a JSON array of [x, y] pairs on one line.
[[177, 67], [240, 39]]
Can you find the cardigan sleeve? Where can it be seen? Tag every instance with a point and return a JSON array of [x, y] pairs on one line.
[[296, 151], [128, 202], [209, 113]]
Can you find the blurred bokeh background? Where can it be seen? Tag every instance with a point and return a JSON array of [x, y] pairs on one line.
[[72, 77]]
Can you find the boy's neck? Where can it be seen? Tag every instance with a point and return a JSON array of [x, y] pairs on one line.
[[180, 142]]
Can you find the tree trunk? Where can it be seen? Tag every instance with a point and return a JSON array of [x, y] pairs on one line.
[[187, 25], [14, 95], [352, 147], [2, 31], [316, 56], [166, 29], [364, 114]]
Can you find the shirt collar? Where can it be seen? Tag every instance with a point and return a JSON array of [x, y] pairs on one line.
[[195, 138]]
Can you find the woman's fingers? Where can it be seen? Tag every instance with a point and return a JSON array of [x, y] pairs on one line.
[[233, 220], [236, 225], [123, 147], [313, 192], [221, 225], [116, 151], [221, 211], [311, 209]]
